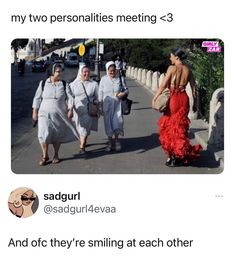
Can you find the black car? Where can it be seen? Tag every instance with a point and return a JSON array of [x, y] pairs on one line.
[[38, 66]]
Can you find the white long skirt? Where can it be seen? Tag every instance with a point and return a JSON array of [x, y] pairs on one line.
[[84, 123], [53, 123], [113, 119]]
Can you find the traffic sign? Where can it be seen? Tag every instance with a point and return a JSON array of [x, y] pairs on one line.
[[81, 50]]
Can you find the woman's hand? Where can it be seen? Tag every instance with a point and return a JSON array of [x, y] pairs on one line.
[[159, 91], [70, 114], [121, 94], [153, 103], [35, 114]]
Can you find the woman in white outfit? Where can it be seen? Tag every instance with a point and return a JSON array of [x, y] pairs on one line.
[[84, 122], [110, 94], [53, 108]]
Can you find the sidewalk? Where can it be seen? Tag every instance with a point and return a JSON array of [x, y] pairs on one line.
[[141, 152], [200, 129]]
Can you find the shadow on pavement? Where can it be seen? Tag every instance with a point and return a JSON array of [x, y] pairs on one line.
[[143, 108], [206, 160], [138, 145]]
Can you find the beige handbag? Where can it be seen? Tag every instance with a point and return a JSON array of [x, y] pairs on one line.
[[161, 104], [162, 101]]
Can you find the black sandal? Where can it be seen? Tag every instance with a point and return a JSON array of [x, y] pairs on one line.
[[82, 151], [43, 161]]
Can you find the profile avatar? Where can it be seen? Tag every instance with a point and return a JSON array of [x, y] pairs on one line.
[[23, 202]]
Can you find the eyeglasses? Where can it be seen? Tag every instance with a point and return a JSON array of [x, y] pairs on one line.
[[24, 198], [58, 71]]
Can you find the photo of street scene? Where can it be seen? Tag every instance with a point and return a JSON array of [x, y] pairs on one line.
[[117, 106]]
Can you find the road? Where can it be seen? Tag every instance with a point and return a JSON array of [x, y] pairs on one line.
[[141, 151]]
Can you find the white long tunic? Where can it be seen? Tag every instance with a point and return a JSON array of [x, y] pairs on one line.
[[113, 120], [53, 123], [84, 122]]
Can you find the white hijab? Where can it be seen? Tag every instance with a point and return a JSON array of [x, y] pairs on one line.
[[78, 78], [108, 64]]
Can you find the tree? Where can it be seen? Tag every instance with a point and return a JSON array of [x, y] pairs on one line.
[[208, 69], [17, 44], [153, 54]]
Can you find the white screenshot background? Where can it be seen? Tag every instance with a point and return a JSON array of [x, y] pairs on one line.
[[148, 206]]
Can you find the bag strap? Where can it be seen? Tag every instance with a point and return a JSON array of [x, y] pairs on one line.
[[44, 82], [43, 85], [88, 98], [64, 84], [123, 86], [86, 93]]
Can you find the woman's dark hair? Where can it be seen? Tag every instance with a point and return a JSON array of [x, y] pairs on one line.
[[179, 53]]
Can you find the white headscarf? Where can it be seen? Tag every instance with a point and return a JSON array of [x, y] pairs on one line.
[[78, 78], [80, 71], [108, 64]]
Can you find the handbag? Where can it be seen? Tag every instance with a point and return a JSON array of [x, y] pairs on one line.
[[162, 102], [126, 106], [126, 103], [92, 107]]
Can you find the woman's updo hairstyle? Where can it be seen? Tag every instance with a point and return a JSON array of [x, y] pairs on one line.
[[179, 53]]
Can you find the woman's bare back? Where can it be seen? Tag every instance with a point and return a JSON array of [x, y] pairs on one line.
[[180, 75]]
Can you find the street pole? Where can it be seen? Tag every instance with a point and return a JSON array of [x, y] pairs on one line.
[[97, 68], [35, 46]]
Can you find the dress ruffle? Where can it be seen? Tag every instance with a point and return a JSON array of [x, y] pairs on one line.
[[173, 129]]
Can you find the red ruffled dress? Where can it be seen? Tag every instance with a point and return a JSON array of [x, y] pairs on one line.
[[174, 126]]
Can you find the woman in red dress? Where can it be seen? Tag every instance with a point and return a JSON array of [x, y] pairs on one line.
[[174, 124]]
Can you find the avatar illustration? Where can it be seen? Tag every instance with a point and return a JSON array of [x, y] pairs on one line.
[[23, 202]]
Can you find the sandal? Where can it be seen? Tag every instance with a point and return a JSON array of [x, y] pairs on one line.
[[55, 160], [118, 146], [109, 147], [43, 161], [168, 162], [82, 151]]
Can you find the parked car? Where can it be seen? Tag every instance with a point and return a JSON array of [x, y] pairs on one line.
[[38, 66], [28, 63], [72, 59]]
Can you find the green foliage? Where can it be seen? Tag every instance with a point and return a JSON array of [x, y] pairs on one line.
[[153, 54], [208, 69]]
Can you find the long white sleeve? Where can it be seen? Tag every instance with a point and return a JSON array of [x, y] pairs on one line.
[[38, 97], [100, 92], [70, 98]]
